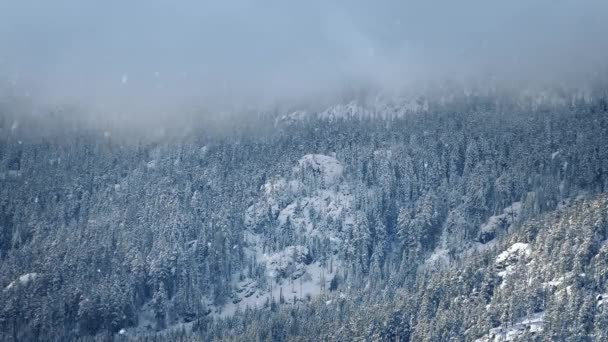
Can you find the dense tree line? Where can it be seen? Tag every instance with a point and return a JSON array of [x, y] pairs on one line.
[[464, 300], [107, 227]]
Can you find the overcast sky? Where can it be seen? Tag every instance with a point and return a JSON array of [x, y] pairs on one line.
[[222, 52]]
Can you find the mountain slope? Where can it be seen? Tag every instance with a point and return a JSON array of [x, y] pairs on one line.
[[547, 280], [101, 236]]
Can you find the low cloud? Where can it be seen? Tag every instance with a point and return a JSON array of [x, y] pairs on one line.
[[142, 58]]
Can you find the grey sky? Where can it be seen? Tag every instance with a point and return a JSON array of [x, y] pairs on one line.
[[245, 51]]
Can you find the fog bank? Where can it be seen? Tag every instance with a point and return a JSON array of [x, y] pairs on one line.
[[143, 59]]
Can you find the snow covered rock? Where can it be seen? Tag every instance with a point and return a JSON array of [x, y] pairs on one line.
[[532, 324], [311, 202], [327, 168], [283, 199], [382, 107], [513, 254], [601, 299], [282, 186], [276, 194], [291, 118], [288, 263], [345, 111], [304, 212], [22, 280], [506, 261], [397, 107], [488, 230]]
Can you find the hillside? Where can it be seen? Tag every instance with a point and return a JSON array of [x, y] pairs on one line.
[[547, 280], [465, 221]]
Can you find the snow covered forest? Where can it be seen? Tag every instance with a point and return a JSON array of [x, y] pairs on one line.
[[478, 219], [241, 170]]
